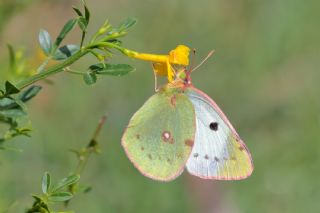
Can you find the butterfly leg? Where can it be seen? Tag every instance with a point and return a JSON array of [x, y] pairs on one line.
[[155, 79]]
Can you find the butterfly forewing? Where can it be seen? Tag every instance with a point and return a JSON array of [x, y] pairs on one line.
[[160, 135], [218, 152]]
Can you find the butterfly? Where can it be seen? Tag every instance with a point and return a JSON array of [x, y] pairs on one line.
[[180, 127]]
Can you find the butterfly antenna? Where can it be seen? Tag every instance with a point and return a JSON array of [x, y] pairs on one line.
[[204, 60], [193, 59]]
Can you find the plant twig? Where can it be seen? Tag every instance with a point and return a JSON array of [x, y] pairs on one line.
[[51, 70], [92, 146]]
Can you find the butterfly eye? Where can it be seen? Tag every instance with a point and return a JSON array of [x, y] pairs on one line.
[[213, 126]]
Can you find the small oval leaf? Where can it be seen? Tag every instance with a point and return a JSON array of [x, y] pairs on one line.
[[46, 182], [79, 13], [126, 24], [65, 30], [7, 103], [90, 78], [86, 11], [111, 69], [29, 93], [65, 182], [45, 42], [82, 22], [12, 113], [12, 58], [84, 189], [37, 198], [65, 52], [10, 88], [60, 196]]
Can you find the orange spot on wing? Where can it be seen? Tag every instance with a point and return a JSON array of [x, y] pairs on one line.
[[173, 100], [189, 142]]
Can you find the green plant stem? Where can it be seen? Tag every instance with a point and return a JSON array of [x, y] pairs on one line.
[[60, 67], [43, 65], [103, 44], [83, 159], [52, 70], [90, 148], [67, 69]]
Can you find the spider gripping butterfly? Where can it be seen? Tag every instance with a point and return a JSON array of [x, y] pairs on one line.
[[181, 127]]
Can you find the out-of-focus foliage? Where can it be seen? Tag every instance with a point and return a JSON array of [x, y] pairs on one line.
[[264, 76], [8, 8]]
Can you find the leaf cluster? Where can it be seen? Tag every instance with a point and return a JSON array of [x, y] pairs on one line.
[[13, 110], [103, 40], [65, 189], [52, 193], [13, 97]]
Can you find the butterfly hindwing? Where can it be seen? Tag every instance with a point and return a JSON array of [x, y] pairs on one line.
[[218, 152], [160, 135]]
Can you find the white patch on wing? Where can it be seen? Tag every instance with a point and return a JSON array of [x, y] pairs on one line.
[[210, 151]]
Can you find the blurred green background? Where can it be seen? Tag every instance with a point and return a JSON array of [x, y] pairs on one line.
[[264, 75]]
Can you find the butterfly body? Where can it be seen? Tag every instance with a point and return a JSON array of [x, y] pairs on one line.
[[205, 142]]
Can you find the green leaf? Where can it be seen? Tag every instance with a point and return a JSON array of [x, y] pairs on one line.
[[111, 69], [66, 51], [82, 22], [13, 113], [86, 11], [10, 88], [23, 131], [66, 182], [85, 189], [37, 198], [14, 132], [65, 30], [7, 103], [126, 24], [46, 182], [12, 58], [45, 42], [29, 93], [60, 196], [90, 78], [77, 11]]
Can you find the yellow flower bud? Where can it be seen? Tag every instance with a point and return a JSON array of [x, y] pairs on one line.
[[180, 55], [162, 63]]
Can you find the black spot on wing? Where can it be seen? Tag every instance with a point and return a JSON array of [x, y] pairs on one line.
[[213, 126]]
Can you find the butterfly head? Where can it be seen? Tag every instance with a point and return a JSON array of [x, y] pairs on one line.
[[187, 77], [182, 78]]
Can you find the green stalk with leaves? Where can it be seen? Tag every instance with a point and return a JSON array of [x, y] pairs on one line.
[[65, 189], [14, 95]]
